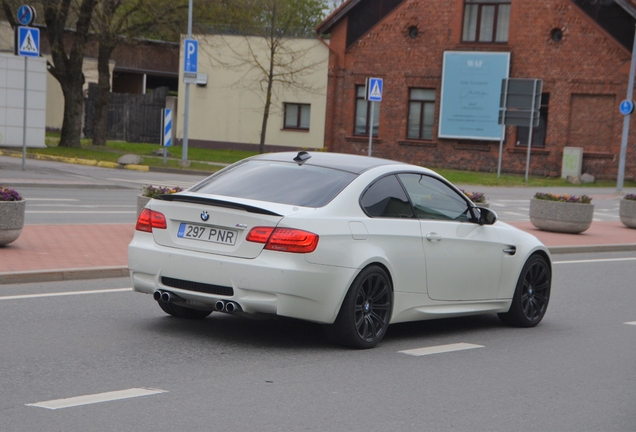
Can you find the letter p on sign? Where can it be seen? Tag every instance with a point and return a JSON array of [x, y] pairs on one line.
[[190, 62]]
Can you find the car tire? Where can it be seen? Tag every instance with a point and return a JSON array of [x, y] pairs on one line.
[[365, 312], [182, 312], [532, 294]]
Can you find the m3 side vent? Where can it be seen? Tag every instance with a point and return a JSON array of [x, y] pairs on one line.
[[197, 286]]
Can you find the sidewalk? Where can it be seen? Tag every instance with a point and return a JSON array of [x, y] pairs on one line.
[[67, 252]]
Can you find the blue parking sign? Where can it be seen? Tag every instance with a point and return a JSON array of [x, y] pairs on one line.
[[191, 56]]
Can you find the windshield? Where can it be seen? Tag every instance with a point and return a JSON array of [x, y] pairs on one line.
[[278, 182]]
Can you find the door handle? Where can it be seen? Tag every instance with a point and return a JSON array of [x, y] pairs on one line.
[[433, 237]]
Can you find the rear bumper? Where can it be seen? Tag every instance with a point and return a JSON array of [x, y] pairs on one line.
[[278, 283]]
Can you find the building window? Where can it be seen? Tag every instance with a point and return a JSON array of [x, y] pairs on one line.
[[486, 21], [363, 111], [539, 132], [421, 114], [297, 116]]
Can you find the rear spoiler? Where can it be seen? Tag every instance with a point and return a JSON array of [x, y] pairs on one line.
[[216, 203]]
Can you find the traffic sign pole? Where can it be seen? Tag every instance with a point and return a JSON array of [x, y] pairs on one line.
[[371, 127], [373, 95], [27, 45], [186, 112], [24, 116], [623, 153]]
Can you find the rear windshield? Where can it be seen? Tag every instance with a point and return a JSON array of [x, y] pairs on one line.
[[278, 182]]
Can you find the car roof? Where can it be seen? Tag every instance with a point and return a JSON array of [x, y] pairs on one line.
[[354, 164]]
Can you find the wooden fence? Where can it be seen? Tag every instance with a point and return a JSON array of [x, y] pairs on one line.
[[131, 117]]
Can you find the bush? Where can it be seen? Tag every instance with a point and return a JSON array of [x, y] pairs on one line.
[[152, 192], [7, 194], [582, 199], [476, 197]]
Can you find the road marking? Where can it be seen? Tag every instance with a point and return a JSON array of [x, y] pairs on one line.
[[70, 211], [53, 199], [82, 205], [67, 293], [96, 398], [631, 323], [595, 260], [184, 184], [440, 349]]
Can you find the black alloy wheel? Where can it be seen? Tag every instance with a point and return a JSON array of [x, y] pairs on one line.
[[182, 312], [532, 294], [366, 310]]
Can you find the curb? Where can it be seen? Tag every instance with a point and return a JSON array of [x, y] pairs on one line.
[[592, 248], [63, 275], [105, 164]]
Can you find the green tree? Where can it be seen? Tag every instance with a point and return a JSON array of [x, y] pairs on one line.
[[67, 54], [118, 21]]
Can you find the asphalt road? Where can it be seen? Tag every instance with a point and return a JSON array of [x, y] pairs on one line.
[[576, 371]]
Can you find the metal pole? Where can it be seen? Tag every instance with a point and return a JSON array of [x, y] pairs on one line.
[[503, 124], [186, 112], [24, 117], [623, 153], [534, 92], [371, 127]]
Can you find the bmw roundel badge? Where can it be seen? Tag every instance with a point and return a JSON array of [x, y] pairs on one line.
[[204, 216]]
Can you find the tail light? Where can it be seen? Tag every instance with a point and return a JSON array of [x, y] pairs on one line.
[[284, 239], [149, 219]]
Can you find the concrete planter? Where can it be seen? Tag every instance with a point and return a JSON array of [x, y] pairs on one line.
[[483, 204], [564, 217], [11, 220], [627, 213], [141, 203]]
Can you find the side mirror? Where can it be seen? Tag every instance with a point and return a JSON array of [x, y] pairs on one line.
[[484, 216]]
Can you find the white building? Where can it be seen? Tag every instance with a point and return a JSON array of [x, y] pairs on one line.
[[227, 111]]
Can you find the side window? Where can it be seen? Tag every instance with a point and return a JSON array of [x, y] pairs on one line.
[[297, 116], [433, 199], [386, 198], [421, 114], [486, 21]]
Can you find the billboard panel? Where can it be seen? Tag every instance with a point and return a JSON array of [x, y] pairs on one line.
[[471, 91]]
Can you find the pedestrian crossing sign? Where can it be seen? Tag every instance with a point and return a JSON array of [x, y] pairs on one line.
[[28, 42], [374, 89]]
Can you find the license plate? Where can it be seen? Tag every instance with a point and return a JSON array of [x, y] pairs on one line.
[[207, 233]]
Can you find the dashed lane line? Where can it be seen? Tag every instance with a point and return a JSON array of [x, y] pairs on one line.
[[96, 398], [631, 323], [66, 293], [600, 260], [418, 352]]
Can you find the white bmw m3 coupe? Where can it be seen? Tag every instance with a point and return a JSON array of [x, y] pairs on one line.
[[352, 242]]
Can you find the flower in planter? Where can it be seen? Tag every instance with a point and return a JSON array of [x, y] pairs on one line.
[[631, 197], [7, 194], [476, 197], [580, 199], [152, 192]]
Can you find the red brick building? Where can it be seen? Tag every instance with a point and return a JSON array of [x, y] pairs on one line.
[[582, 52]]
